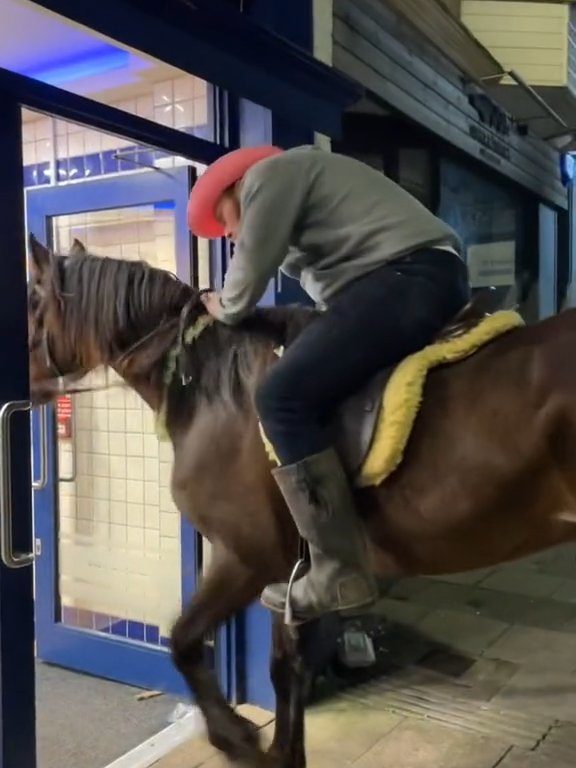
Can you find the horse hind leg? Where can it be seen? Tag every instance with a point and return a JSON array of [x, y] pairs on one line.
[[228, 587], [288, 675], [298, 653]]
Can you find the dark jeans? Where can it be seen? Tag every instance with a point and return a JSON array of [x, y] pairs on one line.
[[372, 323]]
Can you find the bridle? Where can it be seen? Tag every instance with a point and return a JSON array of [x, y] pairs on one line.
[[59, 383], [51, 366]]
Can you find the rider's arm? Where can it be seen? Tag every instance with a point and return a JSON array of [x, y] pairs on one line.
[[271, 199]]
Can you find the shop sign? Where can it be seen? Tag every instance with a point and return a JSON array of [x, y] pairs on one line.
[[489, 140], [64, 417], [492, 264]]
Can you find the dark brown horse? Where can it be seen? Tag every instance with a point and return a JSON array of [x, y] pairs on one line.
[[489, 474]]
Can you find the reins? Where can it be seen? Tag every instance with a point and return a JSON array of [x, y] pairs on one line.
[[62, 384]]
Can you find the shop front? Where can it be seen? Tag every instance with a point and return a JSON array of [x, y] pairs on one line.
[[431, 126], [110, 111]]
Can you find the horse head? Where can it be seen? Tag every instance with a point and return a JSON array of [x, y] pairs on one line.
[[87, 311], [53, 359]]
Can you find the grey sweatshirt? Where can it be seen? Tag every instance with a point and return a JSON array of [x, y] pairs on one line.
[[324, 219]]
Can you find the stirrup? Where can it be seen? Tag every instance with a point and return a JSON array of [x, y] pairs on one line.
[[296, 573]]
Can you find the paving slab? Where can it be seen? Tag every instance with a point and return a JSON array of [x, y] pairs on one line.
[[536, 648], [407, 589], [345, 731], [445, 595], [463, 688], [416, 744], [218, 761], [540, 691], [468, 577], [560, 744], [199, 753], [566, 593], [503, 606], [550, 614], [194, 754], [337, 734], [479, 680], [425, 695], [523, 582], [464, 632], [400, 611], [560, 561], [519, 758]]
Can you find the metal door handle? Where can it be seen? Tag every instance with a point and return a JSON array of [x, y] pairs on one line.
[[41, 482], [10, 558]]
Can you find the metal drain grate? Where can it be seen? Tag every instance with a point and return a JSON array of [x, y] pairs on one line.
[[414, 699]]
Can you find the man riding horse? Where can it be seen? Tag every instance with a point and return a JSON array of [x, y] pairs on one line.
[[388, 274]]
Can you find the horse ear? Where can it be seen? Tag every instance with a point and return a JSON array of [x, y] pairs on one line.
[[39, 256], [78, 248]]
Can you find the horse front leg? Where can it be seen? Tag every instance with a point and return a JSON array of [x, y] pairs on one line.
[[228, 587]]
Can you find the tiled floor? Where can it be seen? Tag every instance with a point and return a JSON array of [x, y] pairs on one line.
[[74, 711], [474, 671]]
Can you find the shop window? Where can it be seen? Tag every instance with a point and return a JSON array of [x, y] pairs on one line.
[[415, 173], [74, 58], [498, 227], [118, 529], [60, 152]]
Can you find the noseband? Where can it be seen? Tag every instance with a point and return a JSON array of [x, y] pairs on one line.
[[60, 382], [51, 366]]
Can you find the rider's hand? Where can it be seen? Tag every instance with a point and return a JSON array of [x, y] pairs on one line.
[[212, 303]]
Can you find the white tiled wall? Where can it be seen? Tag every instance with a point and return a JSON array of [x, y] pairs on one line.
[[178, 103], [119, 530]]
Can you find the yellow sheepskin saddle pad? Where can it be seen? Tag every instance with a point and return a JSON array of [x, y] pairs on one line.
[[374, 426]]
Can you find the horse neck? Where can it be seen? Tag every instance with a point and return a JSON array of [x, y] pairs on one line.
[[216, 378], [232, 362], [139, 359], [149, 387]]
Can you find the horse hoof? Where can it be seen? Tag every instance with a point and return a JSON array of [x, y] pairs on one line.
[[263, 760], [282, 759], [238, 738]]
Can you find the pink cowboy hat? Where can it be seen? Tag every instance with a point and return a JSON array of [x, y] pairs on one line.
[[215, 180]]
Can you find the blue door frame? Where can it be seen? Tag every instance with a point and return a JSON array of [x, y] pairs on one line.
[[98, 653], [242, 646], [17, 706]]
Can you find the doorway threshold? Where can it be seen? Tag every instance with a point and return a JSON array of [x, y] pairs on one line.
[[154, 749]]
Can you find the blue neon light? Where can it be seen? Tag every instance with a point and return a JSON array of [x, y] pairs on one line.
[[97, 62], [567, 169]]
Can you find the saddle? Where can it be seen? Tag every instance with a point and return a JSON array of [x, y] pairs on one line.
[[357, 418]]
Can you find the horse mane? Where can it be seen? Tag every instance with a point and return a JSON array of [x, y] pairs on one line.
[[225, 363], [113, 303]]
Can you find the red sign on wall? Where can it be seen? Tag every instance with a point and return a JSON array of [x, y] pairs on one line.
[[64, 417]]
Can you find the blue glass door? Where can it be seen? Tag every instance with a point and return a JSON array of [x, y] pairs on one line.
[[114, 559], [17, 707]]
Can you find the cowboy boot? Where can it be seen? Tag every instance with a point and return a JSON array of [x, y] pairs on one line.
[[320, 500]]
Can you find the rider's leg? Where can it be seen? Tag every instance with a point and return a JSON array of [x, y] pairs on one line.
[[374, 322]]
